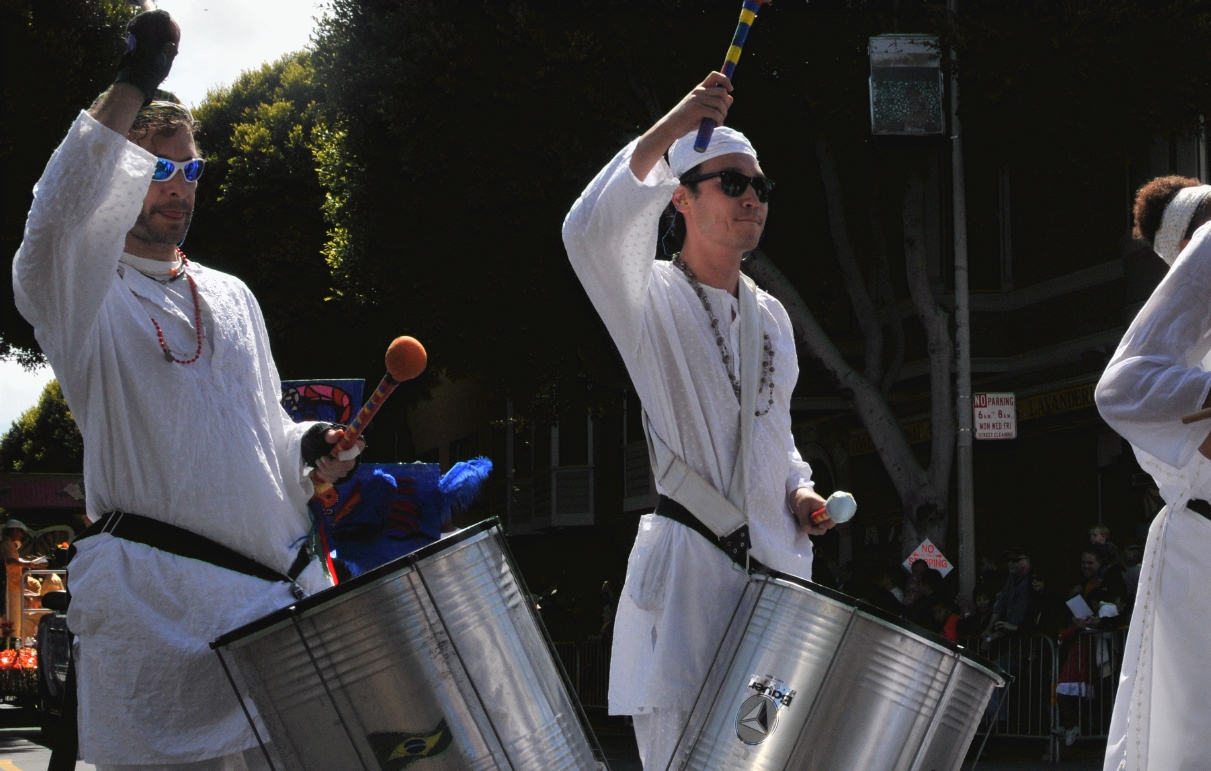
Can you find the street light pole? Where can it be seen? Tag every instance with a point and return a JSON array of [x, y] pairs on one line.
[[966, 486]]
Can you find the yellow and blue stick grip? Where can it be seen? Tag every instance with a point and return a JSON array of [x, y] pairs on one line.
[[748, 14]]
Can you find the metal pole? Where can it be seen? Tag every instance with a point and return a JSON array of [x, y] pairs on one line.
[[966, 502]]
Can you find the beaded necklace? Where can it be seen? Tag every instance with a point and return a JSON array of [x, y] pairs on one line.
[[197, 317], [767, 363]]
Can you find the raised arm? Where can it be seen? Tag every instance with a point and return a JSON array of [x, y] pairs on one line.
[[610, 233], [89, 197], [1157, 373]]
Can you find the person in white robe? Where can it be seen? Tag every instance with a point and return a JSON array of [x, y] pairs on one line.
[[678, 328], [166, 367], [1160, 373]]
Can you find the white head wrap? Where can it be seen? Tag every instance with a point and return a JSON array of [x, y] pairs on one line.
[[683, 157], [1176, 220]]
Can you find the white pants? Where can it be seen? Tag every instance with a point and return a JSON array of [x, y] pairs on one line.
[[657, 735], [248, 760]]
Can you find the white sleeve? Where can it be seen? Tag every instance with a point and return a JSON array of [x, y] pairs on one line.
[[610, 235], [1158, 373], [89, 196], [800, 473]]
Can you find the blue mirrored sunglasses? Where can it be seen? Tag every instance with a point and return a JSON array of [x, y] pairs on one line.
[[166, 169]]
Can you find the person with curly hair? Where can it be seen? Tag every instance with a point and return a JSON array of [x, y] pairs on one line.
[[1160, 373]]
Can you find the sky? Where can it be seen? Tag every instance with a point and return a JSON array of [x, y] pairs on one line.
[[219, 40]]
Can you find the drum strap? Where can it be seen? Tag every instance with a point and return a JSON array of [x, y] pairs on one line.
[[721, 516], [735, 546], [183, 543]]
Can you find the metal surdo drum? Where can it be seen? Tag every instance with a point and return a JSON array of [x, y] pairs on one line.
[[435, 657], [812, 680]]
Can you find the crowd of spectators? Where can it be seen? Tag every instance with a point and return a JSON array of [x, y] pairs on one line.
[[1013, 599]]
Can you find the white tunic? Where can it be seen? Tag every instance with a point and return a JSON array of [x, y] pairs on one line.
[[680, 590], [203, 446], [1160, 372]]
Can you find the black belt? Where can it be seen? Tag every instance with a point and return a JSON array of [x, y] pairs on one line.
[[1199, 507], [736, 546], [181, 542]]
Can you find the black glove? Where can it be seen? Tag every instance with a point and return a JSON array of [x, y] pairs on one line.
[[314, 445], [151, 45]]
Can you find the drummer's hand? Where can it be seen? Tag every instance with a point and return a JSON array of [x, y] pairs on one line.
[[803, 502], [331, 469], [710, 99]]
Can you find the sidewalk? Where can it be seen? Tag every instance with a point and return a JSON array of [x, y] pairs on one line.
[[20, 751]]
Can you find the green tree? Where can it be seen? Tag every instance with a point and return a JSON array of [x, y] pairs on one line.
[[259, 206], [44, 439], [57, 57], [463, 132]]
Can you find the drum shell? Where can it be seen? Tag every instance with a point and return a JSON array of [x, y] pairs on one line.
[[868, 692], [442, 640]]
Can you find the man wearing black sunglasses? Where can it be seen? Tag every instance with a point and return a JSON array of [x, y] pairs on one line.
[[713, 360], [197, 479]]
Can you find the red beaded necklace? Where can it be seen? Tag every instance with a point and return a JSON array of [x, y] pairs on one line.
[[197, 318]]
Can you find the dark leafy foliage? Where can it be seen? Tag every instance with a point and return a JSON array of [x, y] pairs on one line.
[[57, 57], [259, 205]]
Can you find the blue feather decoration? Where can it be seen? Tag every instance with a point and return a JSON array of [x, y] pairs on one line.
[[460, 485]]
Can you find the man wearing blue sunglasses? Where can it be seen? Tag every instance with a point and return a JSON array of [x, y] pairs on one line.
[[197, 479]]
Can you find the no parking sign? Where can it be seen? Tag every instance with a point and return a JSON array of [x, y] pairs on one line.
[[933, 557]]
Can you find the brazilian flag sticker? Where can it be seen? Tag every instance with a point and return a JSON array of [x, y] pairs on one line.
[[396, 751]]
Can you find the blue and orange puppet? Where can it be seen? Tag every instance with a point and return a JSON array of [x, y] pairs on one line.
[[748, 15]]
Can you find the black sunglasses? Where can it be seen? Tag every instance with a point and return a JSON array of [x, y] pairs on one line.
[[733, 184]]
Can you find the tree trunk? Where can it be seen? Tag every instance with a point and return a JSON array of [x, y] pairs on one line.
[[923, 493]]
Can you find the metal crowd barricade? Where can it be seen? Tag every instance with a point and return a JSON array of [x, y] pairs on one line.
[[588, 667], [1030, 707], [1025, 708]]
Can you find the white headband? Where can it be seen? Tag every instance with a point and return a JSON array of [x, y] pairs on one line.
[[683, 157], [1176, 220]]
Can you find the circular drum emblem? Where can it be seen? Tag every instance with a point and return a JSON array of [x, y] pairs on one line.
[[756, 719]]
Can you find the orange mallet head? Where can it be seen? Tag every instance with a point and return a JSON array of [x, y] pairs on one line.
[[406, 358]]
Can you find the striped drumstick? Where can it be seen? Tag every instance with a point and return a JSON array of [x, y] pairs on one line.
[[406, 358], [748, 14]]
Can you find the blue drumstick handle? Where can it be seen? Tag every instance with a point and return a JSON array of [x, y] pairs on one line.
[[705, 129]]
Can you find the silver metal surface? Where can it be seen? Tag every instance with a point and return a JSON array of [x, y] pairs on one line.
[[441, 660], [806, 681]]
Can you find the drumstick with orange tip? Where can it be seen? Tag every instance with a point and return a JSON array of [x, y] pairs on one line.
[[840, 507], [1195, 417], [405, 359]]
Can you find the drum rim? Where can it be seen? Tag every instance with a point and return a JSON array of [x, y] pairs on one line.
[[884, 616], [324, 596]]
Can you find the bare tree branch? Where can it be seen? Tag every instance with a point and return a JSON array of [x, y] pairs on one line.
[[885, 296], [936, 323], [878, 419], [868, 319]]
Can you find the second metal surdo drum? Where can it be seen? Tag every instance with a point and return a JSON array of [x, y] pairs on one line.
[[811, 680], [435, 659]]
